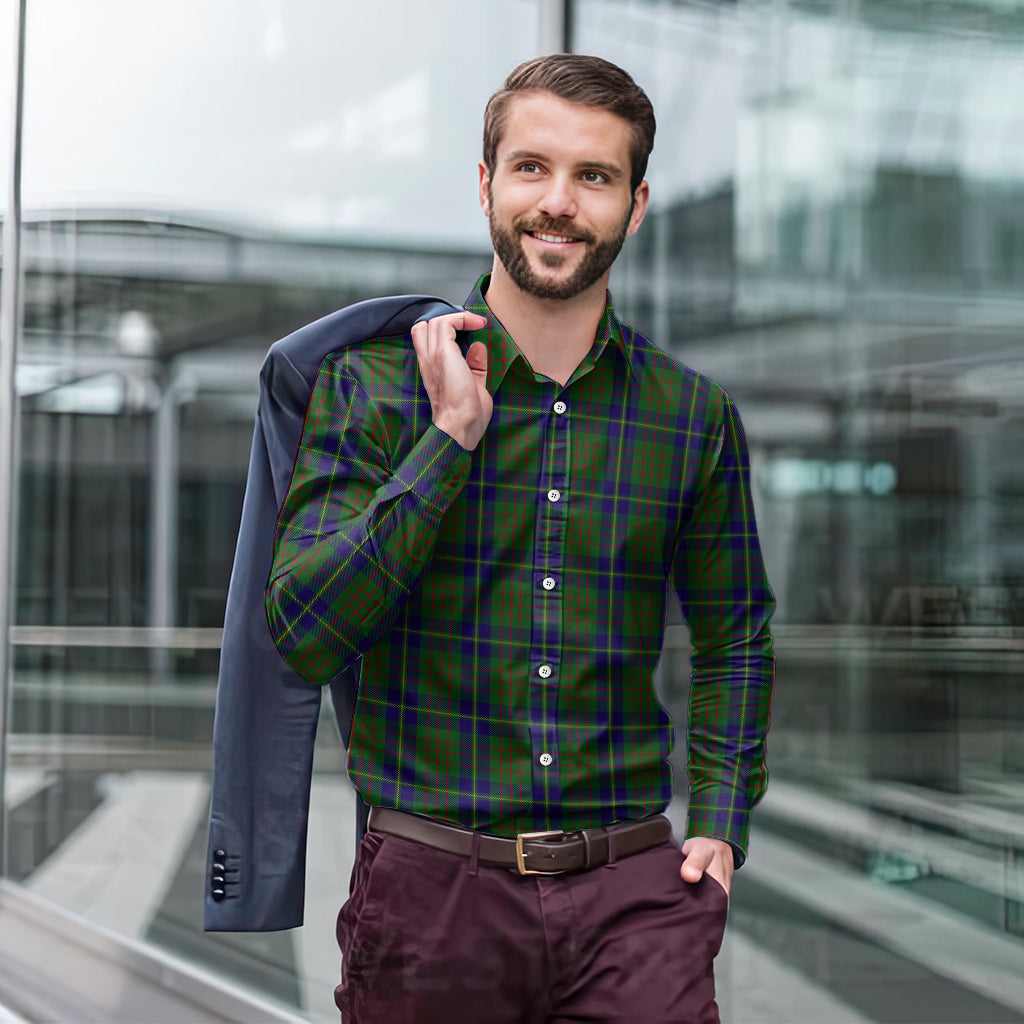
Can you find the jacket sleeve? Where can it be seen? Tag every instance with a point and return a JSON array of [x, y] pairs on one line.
[[355, 533], [727, 602]]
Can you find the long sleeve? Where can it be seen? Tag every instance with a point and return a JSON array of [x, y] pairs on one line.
[[727, 602], [355, 533]]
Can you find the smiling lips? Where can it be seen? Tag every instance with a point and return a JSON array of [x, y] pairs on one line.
[[551, 238]]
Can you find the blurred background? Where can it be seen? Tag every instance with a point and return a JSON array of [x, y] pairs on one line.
[[836, 235]]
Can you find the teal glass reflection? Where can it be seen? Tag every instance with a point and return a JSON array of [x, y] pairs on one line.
[[835, 236]]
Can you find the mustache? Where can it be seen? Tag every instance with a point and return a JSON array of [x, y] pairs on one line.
[[553, 227]]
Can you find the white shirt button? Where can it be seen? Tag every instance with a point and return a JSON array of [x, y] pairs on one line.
[[560, 407], [545, 759], [554, 495], [544, 671], [548, 583]]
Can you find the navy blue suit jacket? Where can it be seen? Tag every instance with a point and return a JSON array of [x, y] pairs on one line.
[[266, 714]]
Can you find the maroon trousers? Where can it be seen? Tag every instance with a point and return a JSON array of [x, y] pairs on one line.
[[429, 937]]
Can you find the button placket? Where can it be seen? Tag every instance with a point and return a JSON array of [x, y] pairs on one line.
[[547, 630]]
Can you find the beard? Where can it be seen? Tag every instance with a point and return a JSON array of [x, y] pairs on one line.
[[508, 247]]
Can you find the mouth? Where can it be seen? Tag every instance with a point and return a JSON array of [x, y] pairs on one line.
[[553, 239]]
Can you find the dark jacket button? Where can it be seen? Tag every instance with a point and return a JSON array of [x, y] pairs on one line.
[[219, 868], [219, 854], [218, 894]]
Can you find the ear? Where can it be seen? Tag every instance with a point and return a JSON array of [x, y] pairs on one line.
[[485, 180], [640, 200]]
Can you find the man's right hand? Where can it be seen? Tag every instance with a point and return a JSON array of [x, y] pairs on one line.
[[459, 401]]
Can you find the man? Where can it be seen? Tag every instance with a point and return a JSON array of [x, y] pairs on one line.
[[492, 528]]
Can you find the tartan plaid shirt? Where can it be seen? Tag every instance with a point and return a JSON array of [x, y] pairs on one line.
[[509, 603]]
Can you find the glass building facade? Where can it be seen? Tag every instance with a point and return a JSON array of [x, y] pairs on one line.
[[836, 235]]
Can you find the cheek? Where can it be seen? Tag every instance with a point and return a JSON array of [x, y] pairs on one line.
[[514, 198]]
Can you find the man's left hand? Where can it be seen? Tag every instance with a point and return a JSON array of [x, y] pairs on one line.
[[711, 855]]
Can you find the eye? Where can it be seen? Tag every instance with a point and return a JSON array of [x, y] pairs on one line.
[[594, 177], [528, 167]]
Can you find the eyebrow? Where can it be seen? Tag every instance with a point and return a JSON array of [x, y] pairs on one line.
[[613, 171]]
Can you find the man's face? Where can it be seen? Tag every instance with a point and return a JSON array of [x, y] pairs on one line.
[[559, 203]]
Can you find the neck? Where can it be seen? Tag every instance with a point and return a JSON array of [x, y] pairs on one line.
[[553, 334]]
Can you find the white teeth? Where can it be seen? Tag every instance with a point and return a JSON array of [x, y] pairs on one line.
[[551, 238]]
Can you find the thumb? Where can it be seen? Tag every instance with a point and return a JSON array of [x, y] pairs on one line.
[[693, 865], [476, 356]]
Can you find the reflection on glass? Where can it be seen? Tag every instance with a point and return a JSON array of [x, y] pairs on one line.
[[8, 25], [836, 237], [200, 179]]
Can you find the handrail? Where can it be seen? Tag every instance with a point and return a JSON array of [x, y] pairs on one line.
[[168, 637], [792, 636], [53, 962]]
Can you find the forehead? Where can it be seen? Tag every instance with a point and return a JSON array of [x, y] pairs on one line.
[[543, 123]]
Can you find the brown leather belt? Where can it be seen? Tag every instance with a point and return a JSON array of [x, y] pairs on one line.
[[530, 853]]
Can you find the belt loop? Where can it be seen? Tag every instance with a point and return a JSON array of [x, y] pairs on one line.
[[586, 847], [474, 853], [611, 848]]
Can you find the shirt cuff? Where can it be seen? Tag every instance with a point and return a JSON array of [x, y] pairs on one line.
[[720, 812], [435, 469]]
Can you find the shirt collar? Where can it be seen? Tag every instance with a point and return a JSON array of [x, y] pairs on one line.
[[502, 349]]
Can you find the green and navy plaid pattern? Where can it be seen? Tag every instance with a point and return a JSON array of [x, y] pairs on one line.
[[509, 603]]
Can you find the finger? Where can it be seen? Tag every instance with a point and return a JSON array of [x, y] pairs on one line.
[[694, 865], [690, 872], [428, 328], [421, 343], [442, 329], [472, 321], [442, 345], [419, 336], [463, 320]]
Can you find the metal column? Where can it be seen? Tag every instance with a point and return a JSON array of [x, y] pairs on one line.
[[554, 26], [163, 549]]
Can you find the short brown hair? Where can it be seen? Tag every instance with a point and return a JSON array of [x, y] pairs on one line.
[[592, 81]]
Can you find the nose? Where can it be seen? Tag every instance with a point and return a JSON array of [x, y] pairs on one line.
[[559, 199]]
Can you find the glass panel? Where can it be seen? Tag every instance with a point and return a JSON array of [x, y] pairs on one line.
[[836, 236], [201, 178], [8, 26], [8, 55]]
